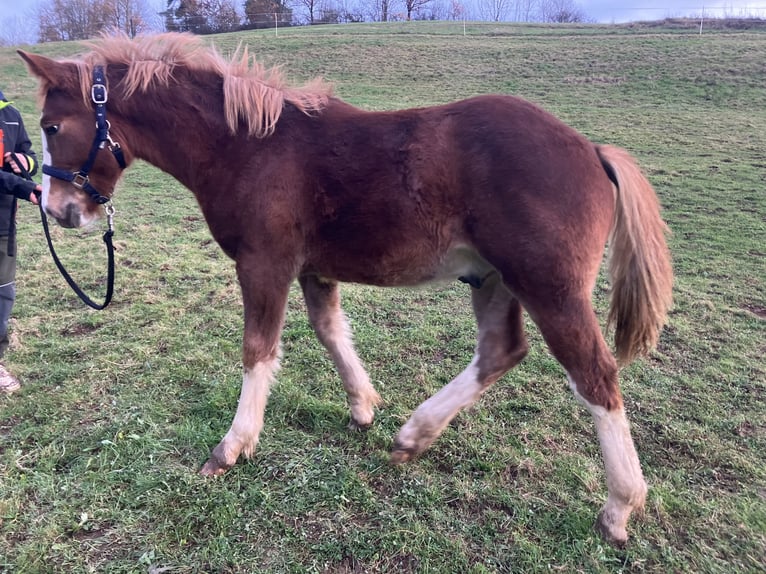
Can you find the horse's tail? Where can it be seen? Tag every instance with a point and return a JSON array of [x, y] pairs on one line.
[[639, 259]]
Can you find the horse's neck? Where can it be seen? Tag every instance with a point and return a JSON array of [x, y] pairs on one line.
[[176, 141]]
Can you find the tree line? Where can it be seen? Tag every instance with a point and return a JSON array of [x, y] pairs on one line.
[[61, 20]]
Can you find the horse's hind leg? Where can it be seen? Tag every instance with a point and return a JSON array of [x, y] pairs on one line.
[[574, 337], [331, 326], [501, 346]]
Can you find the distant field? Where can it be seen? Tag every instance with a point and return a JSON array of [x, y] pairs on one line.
[[99, 452]]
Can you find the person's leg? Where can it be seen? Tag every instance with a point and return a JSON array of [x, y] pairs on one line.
[[8, 383]]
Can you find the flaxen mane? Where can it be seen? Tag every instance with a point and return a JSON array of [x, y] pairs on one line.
[[252, 93]]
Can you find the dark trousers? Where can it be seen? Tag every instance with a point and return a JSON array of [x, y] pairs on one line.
[[7, 291]]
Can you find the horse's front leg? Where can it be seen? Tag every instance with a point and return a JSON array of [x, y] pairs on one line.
[[264, 299]]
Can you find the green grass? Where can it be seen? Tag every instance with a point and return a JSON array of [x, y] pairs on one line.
[[99, 452]]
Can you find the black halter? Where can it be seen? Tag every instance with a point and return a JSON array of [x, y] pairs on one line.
[[79, 179]]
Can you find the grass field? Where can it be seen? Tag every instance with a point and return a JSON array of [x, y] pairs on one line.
[[99, 451]]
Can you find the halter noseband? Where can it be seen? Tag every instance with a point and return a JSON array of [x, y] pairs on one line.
[[80, 179]]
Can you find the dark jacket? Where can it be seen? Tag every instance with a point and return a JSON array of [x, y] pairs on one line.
[[15, 139]]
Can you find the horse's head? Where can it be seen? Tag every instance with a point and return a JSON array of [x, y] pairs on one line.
[[79, 173]]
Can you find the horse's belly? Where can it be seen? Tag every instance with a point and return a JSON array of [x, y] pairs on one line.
[[413, 269]]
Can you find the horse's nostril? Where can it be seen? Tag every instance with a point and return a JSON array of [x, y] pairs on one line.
[[70, 218]]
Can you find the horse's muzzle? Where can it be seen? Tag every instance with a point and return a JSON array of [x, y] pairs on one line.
[[70, 218]]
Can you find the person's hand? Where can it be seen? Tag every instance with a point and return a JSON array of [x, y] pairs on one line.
[[34, 197], [10, 159]]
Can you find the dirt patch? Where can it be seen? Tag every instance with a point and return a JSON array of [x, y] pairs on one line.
[[78, 329], [756, 310], [598, 80], [748, 429]]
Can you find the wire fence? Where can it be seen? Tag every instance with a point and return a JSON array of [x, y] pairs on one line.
[[343, 11], [309, 12], [328, 13]]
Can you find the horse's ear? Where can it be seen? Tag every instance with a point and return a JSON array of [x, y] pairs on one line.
[[50, 71]]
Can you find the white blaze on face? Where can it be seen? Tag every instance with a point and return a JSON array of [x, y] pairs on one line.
[[46, 178]]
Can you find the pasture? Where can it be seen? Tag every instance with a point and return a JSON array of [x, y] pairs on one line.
[[100, 449]]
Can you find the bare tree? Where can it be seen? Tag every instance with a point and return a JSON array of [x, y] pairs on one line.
[[15, 29], [338, 11], [456, 10], [201, 16], [350, 11], [183, 16], [561, 11], [381, 10], [310, 7], [267, 13], [129, 16], [413, 6], [494, 10], [525, 10], [70, 20], [82, 19], [221, 16]]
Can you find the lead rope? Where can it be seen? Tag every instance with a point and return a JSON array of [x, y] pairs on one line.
[[109, 253]]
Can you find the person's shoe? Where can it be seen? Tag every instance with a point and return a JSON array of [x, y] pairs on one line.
[[8, 383]]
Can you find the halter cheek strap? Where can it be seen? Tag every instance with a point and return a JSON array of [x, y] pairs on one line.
[[80, 179]]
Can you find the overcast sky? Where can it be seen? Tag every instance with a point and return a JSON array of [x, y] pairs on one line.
[[17, 17], [635, 10]]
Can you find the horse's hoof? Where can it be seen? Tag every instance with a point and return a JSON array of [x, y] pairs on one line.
[[354, 425], [401, 454], [213, 467], [612, 534]]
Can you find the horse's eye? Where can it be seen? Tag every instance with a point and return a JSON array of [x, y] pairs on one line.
[[51, 130]]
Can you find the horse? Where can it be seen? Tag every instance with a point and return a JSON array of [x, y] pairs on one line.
[[296, 184]]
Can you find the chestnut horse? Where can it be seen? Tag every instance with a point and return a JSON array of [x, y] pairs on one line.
[[296, 184]]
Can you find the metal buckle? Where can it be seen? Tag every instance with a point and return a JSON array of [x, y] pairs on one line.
[[99, 94], [79, 180]]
